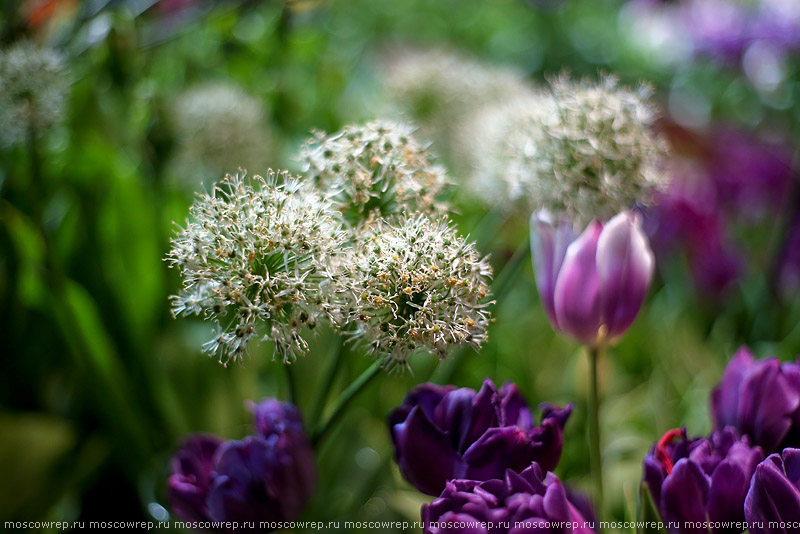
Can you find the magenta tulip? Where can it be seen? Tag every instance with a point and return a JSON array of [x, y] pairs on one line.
[[593, 285]]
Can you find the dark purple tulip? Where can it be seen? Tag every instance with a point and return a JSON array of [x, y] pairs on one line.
[[441, 433], [266, 477], [192, 473], [593, 285], [261, 479], [772, 505], [701, 480], [760, 398], [529, 501]]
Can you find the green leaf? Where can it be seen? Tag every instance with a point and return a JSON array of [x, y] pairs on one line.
[[648, 520]]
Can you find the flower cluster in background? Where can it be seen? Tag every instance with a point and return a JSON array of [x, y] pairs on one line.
[[267, 476], [34, 87], [219, 129], [726, 182]]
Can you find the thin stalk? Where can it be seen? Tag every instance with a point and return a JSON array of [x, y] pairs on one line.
[[594, 433], [334, 359], [291, 386], [346, 397]]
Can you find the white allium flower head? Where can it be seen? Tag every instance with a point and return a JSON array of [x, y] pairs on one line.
[[438, 88], [34, 86], [255, 257], [414, 283], [219, 128], [374, 170], [582, 150]]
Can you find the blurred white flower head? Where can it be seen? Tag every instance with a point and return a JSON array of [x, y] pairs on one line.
[[439, 88], [582, 150], [373, 171], [34, 87], [256, 257], [219, 128], [414, 283]]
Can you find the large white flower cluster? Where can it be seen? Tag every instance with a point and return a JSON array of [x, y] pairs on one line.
[[362, 241]]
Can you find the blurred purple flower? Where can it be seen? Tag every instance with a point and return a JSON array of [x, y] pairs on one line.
[[266, 477], [529, 501], [734, 181], [725, 30], [262, 479], [593, 285], [772, 505], [441, 433], [700, 480], [789, 265], [192, 474], [760, 398]]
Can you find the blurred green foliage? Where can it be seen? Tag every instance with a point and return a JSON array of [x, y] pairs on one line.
[[100, 382]]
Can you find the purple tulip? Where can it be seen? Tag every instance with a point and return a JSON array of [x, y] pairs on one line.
[[760, 398], [529, 501], [262, 479], [593, 285], [701, 480], [441, 433], [192, 473], [772, 505], [266, 477]]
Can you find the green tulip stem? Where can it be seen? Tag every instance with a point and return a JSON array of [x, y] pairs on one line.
[[594, 433], [346, 397]]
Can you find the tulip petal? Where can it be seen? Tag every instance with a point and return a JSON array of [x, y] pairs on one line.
[[624, 267], [772, 498], [729, 485], [683, 497], [577, 290], [424, 453], [725, 398], [767, 405], [549, 244], [484, 413]]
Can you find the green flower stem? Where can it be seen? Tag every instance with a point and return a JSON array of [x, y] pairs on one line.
[[334, 359], [594, 433], [291, 385], [346, 397]]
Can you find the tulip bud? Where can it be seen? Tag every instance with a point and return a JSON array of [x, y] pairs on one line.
[[592, 286], [772, 505]]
